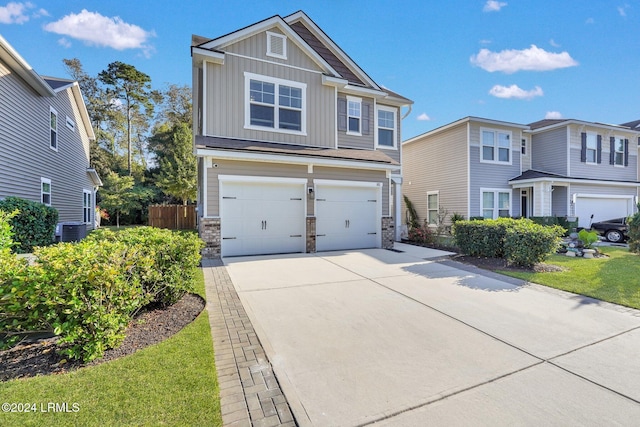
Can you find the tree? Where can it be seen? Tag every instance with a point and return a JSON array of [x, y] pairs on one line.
[[121, 196], [177, 174], [130, 90]]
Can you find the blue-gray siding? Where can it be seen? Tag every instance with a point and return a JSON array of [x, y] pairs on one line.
[[549, 151]]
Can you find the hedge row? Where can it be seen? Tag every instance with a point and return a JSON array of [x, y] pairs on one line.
[[33, 225], [87, 292], [520, 241]]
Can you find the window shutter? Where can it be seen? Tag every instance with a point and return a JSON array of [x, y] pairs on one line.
[[583, 153], [626, 152], [342, 114], [599, 156], [365, 118]]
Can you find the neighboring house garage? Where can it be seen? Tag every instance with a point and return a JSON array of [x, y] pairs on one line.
[[602, 207]]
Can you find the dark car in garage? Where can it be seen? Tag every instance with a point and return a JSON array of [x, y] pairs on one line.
[[614, 230]]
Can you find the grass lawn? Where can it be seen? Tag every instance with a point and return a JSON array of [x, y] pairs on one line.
[[614, 279], [169, 384]]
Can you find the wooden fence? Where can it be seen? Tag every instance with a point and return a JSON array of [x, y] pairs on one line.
[[173, 217]]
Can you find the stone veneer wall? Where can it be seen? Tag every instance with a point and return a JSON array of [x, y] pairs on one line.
[[311, 234], [388, 232], [209, 229]]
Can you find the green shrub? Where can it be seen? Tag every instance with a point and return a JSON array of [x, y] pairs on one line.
[[6, 230], [634, 232], [588, 238], [15, 300], [34, 225], [527, 243], [483, 238], [176, 257], [422, 235]]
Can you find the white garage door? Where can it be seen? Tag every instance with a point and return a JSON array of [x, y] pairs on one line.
[[602, 208], [347, 215], [262, 217]]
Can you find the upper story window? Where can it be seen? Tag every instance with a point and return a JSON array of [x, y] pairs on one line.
[[496, 146], [386, 127], [274, 104], [592, 148], [591, 152], [45, 191], [53, 125], [619, 151], [354, 115], [276, 45], [523, 147]]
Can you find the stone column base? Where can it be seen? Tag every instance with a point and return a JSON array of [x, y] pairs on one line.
[[209, 230]]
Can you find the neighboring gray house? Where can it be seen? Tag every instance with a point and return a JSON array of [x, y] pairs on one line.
[[487, 168], [44, 140], [299, 150]]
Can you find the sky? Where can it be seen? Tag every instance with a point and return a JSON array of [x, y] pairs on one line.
[[514, 60]]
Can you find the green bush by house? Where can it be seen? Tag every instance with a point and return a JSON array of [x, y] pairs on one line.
[[33, 225], [520, 241], [87, 292]]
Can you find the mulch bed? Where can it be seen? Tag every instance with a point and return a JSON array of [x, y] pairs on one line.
[[148, 328], [495, 264]]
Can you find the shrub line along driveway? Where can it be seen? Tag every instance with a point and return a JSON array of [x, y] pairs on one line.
[[375, 336]]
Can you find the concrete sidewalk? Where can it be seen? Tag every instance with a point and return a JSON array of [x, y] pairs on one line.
[[410, 337]]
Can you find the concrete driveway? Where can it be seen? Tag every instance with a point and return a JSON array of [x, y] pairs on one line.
[[376, 336]]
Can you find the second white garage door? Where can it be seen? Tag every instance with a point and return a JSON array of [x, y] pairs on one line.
[[601, 207], [262, 217], [348, 215]]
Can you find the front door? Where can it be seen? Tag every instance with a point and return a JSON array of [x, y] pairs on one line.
[[524, 203]]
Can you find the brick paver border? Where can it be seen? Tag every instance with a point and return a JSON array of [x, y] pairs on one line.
[[249, 391]]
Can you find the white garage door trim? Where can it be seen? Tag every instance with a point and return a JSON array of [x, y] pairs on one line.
[[603, 213], [282, 234], [361, 234]]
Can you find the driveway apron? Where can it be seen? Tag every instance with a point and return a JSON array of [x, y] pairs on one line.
[[410, 338]]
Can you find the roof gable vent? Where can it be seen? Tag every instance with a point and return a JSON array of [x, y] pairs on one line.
[[276, 45]]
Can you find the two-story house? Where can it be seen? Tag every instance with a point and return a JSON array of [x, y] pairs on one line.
[[487, 168], [299, 150], [44, 140]]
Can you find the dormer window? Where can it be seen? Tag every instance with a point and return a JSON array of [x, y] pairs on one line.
[[276, 45]]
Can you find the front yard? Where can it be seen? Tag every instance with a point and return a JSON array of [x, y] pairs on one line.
[[615, 278], [172, 383]]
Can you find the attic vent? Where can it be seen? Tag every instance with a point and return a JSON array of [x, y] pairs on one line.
[[276, 45]]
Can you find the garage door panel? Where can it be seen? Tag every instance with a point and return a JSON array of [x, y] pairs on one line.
[[262, 218], [602, 208]]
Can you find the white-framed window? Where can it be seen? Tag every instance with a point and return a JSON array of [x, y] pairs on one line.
[[354, 116], [274, 104], [276, 45], [496, 146], [523, 147], [45, 191], [386, 127], [53, 126], [70, 124], [495, 203], [592, 148], [432, 208], [618, 145], [87, 206]]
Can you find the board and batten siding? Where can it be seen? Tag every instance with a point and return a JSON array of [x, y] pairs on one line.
[[492, 175], [604, 170], [25, 153], [437, 163], [549, 151], [225, 101], [259, 169], [366, 140]]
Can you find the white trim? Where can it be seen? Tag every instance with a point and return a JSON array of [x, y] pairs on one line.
[[466, 120], [204, 98], [262, 179], [566, 181], [568, 151], [496, 200], [358, 101], [54, 112], [468, 169], [42, 193], [276, 105], [266, 61], [574, 196], [205, 161], [344, 183], [394, 111], [431, 193], [497, 147], [295, 160], [86, 192], [282, 37]]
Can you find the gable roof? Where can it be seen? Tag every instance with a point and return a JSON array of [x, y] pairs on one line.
[[23, 69], [634, 125], [338, 68]]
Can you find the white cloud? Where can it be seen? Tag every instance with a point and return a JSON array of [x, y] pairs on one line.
[[493, 6], [95, 29], [64, 42], [514, 91], [15, 13], [622, 10], [553, 115], [424, 117], [553, 43], [532, 59]]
